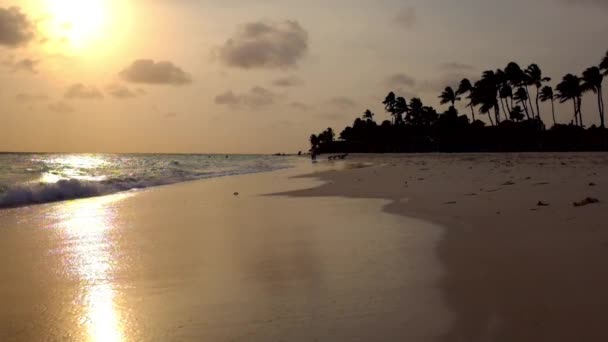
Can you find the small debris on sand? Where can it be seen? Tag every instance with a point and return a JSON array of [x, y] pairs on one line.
[[236, 194], [592, 184], [508, 183], [452, 202], [586, 201], [542, 183], [542, 204]]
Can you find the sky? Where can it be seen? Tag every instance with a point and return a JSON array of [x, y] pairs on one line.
[[245, 76]]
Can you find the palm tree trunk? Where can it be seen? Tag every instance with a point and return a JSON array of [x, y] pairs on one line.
[[575, 112], [490, 118], [502, 104], [523, 103], [553, 112], [600, 103], [537, 104], [530, 101], [580, 113], [472, 112]]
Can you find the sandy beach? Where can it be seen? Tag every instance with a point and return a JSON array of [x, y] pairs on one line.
[[521, 262], [378, 248]]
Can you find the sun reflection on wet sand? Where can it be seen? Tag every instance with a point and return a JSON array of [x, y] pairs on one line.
[[86, 225]]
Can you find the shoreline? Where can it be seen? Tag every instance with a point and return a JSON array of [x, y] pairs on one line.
[[194, 261], [515, 270]]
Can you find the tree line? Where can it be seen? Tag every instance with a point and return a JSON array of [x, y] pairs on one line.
[[510, 99]]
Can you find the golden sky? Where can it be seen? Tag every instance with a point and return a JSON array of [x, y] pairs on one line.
[[257, 76]]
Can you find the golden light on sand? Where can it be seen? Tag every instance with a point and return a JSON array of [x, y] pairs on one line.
[[78, 24], [87, 225]]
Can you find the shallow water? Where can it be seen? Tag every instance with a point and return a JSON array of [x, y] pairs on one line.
[[40, 178], [195, 262]]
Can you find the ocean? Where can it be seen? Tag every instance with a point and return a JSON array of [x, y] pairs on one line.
[[29, 178]]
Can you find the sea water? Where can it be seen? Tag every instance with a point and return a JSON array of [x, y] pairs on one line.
[[27, 178]]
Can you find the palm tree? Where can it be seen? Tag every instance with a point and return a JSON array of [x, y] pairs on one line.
[[368, 115], [449, 96], [400, 108], [521, 96], [389, 104], [466, 87], [518, 78], [535, 77], [592, 81], [546, 94], [314, 142], [604, 64], [485, 94], [516, 114], [505, 93], [327, 136], [570, 89]]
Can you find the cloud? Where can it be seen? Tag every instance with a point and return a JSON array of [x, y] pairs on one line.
[[342, 102], [29, 98], [60, 107], [82, 92], [289, 81], [15, 27], [400, 80], [26, 64], [597, 3], [265, 44], [255, 98], [455, 66], [406, 18], [300, 106], [451, 79], [147, 71], [121, 92]]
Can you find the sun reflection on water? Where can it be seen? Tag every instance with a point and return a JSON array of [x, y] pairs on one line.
[[86, 225]]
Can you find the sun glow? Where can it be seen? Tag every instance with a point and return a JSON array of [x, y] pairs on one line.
[[78, 24]]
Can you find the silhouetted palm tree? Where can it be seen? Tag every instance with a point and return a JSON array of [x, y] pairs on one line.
[[368, 115], [570, 89], [546, 94], [449, 96], [506, 93], [466, 87], [401, 108], [389, 104], [327, 136], [604, 64], [535, 78], [314, 142], [592, 81], [485, 95], [516, 114], [501, 82], [518, 78], [521, 97]]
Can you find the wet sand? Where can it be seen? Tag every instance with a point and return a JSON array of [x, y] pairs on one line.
[[520, 261], [194, 262]]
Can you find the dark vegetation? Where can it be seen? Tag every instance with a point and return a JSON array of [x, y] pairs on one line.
[[509, 98]]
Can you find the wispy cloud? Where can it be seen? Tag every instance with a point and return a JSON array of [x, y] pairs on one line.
[[147, 71], [265, 44]]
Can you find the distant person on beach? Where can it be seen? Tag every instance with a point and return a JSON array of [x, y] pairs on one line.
[[313, 155]]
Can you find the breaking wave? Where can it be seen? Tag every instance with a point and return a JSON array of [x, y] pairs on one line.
[[68, 189]]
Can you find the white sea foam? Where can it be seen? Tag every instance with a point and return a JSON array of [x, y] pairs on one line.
[[27, 179]]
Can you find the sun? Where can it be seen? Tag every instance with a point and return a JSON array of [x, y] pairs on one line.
[[78, 23]]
